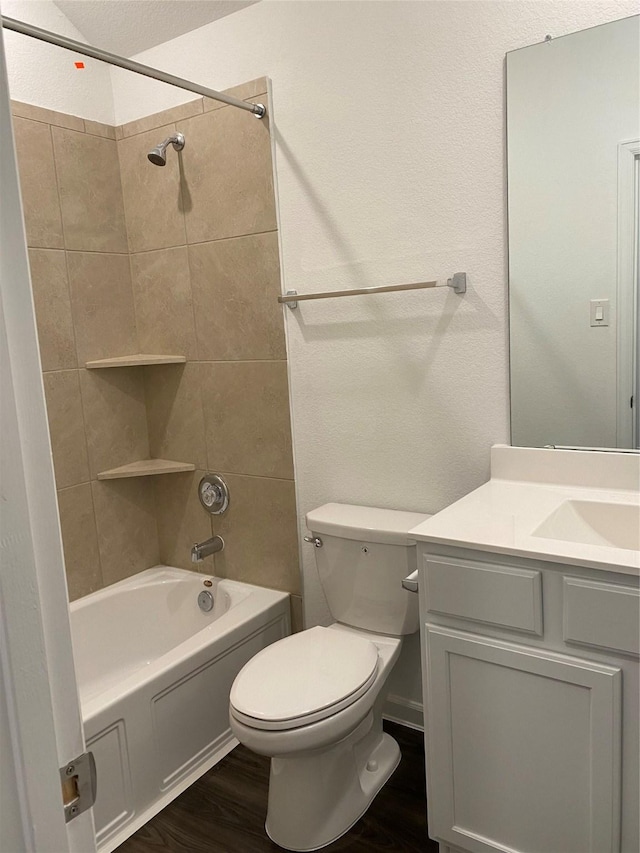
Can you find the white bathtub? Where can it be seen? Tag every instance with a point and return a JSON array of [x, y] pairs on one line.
[[154, 674]]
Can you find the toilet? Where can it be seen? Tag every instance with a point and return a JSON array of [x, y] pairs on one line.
[[313, 701]]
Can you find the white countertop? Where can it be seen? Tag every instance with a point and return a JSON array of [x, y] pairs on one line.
[[502, 515]]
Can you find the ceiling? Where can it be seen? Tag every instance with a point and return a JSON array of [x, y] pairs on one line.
[[128, 27]]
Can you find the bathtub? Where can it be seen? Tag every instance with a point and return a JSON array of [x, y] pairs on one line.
[[154, 673]]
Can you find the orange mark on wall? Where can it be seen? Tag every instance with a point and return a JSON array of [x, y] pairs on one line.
[[79, 64]]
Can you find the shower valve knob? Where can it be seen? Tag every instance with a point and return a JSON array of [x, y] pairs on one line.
[[213, 494]]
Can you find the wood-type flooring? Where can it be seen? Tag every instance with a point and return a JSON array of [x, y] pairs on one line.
[[224, 811]]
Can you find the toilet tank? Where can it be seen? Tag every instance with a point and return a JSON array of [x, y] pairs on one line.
[[365, 554]]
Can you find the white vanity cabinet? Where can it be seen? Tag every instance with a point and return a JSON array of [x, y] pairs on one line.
[[531, 703]]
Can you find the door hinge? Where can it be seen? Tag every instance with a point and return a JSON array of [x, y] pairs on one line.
[[631, 402], [78, 781]]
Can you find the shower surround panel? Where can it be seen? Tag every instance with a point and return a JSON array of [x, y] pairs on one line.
[[128, 257]]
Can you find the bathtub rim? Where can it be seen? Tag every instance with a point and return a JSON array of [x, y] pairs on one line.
[[144, 578]]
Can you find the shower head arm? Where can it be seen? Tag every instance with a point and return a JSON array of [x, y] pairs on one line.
[[176, 139]]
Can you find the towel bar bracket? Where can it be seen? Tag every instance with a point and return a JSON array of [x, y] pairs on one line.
[[293, 303], [458, 282]]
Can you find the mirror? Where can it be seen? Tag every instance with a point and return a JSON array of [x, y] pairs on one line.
[[573, 141]]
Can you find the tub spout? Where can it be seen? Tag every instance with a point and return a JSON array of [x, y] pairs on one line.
[[204, 549]]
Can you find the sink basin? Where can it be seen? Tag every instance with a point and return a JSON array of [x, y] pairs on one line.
[[615, 525]]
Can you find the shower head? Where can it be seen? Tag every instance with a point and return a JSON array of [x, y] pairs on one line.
[[158, 155]]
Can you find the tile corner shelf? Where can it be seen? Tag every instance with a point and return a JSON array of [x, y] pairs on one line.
[[135, 360], [146, 468]]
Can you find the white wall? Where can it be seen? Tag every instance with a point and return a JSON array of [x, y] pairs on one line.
[[571, 103], [45, 75], [389, 126]]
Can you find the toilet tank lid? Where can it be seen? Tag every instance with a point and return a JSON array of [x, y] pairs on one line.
[[365, 523]]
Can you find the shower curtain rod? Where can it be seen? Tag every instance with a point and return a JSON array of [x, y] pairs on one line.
[[258, 110]]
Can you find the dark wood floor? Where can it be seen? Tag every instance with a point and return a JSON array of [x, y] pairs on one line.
[[224, 811]]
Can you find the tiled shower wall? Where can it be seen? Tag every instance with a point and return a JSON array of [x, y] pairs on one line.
[[128, 257]]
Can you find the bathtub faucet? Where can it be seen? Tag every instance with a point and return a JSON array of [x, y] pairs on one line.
[[204, 549]]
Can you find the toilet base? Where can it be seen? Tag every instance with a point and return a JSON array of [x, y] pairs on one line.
[[316, 797]]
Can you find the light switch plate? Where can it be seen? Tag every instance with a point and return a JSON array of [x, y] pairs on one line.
[[599, 312]]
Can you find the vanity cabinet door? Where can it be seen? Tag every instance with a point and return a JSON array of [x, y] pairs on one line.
[[523, 747]]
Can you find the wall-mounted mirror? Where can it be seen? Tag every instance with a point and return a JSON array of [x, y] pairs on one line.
[[573, 139]]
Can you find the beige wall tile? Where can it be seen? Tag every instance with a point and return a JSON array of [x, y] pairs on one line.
[[102, 305], [260, 533], [66, 427], [42, 215], [31, 111], [156, 120], [152, 194], [227, 176], [97, 128], [80, 540], [126, 524], [53, 308], [246, 409], [243, 92], [115, 417], [162, 296], [90, 191], [174, 408], [297, 616], [182, 521], [236, 284]]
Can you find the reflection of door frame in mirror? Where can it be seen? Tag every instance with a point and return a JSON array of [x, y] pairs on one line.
[[627, 319]]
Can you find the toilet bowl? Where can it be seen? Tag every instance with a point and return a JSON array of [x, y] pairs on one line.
[[330, 760], [313, 701]]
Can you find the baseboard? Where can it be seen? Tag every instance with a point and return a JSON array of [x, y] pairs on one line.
[[406, 712]]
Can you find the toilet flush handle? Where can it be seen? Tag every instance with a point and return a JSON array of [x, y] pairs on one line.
[[316, 540], [411, 582]]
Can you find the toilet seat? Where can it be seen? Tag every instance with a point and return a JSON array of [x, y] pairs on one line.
[[303, 678]]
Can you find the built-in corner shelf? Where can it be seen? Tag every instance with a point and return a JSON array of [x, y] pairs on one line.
[[135, 361], [146, 468]]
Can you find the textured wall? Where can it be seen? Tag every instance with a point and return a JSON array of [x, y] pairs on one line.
[[175, 260], [45, 75], [389, 130]]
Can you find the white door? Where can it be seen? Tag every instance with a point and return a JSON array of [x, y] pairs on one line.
[[523, 747], [40, 721]]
